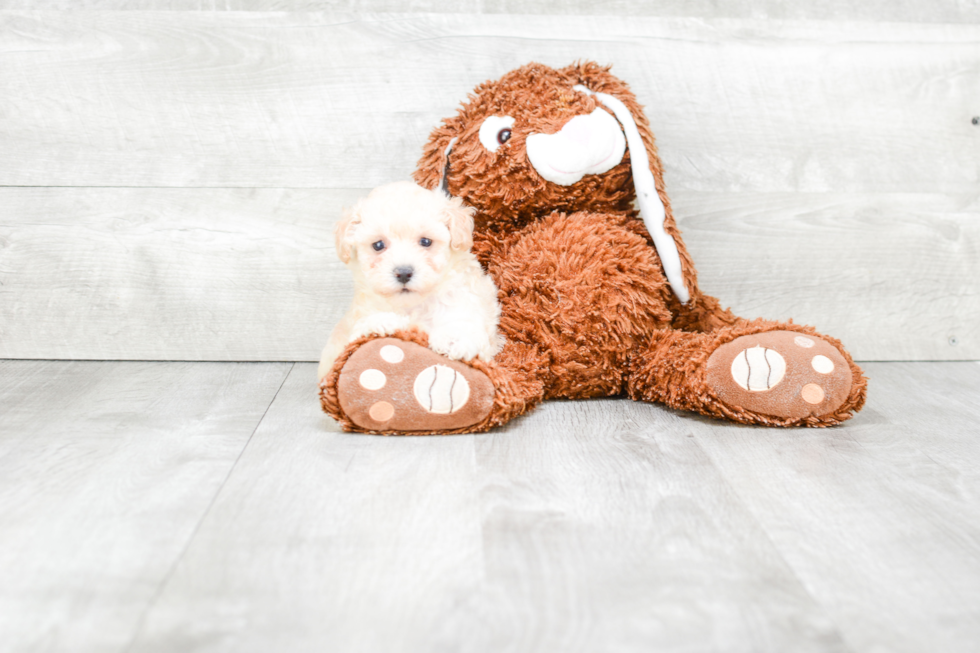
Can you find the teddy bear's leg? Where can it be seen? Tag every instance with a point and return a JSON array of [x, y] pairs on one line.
[[394, 385], [702, 314], [760, 372]]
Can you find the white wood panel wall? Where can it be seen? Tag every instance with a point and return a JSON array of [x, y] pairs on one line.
[[934, 11], [169, 179]]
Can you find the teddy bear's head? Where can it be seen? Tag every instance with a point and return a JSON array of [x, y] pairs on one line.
[[539, 140]]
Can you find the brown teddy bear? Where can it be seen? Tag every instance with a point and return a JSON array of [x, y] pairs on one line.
[[598, 298]]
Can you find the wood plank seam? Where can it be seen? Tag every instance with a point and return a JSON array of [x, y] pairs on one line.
[[746, 506], [204, 515]]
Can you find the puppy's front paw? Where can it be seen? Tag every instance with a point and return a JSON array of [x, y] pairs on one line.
[[379, 324], [453, 345]]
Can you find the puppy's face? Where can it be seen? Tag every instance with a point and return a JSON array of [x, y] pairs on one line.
[[401, 240]]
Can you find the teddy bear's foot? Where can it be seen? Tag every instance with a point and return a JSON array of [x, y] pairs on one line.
[[781, 374], [389, 385]]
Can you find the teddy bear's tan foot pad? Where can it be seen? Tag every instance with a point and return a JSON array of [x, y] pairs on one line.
[[393, 386], [780, 374]]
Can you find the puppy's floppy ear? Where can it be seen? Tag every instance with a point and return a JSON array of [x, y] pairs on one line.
[[343, 232], [459, 219]]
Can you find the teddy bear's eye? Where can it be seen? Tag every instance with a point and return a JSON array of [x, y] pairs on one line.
[[378, 246], [495, 131], [425, 242]]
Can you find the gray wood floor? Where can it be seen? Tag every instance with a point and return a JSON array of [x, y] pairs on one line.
[[212, 507]]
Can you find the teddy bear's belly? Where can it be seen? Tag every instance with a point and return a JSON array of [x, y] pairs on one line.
[[589, 292]]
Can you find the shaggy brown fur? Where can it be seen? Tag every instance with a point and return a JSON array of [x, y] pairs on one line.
[[585, 306], [508, 193]]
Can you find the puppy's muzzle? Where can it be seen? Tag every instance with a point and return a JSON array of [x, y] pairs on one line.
[[404, 274]]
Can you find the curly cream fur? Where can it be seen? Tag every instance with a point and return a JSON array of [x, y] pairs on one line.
[[448, 296]]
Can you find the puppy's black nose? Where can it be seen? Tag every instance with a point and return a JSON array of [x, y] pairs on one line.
[[404, 274]]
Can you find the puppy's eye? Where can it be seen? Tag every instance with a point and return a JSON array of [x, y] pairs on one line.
[[503, 136], [425, 242], [378, 246]]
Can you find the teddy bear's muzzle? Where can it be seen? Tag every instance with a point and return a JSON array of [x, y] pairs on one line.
[[585, 145]]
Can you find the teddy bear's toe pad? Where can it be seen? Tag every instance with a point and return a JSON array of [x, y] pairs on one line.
[[781, 374], [389, 385]]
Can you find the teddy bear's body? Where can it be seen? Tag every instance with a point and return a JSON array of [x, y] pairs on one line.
[[592, 304]]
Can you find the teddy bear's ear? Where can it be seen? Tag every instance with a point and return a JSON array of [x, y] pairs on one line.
[[615, 95], [432, 168], [459, 220], [343, 232]]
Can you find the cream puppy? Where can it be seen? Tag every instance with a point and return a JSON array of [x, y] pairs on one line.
[[409, 250]]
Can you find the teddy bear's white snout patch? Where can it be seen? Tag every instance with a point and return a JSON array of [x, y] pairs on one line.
[[586, 145]]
